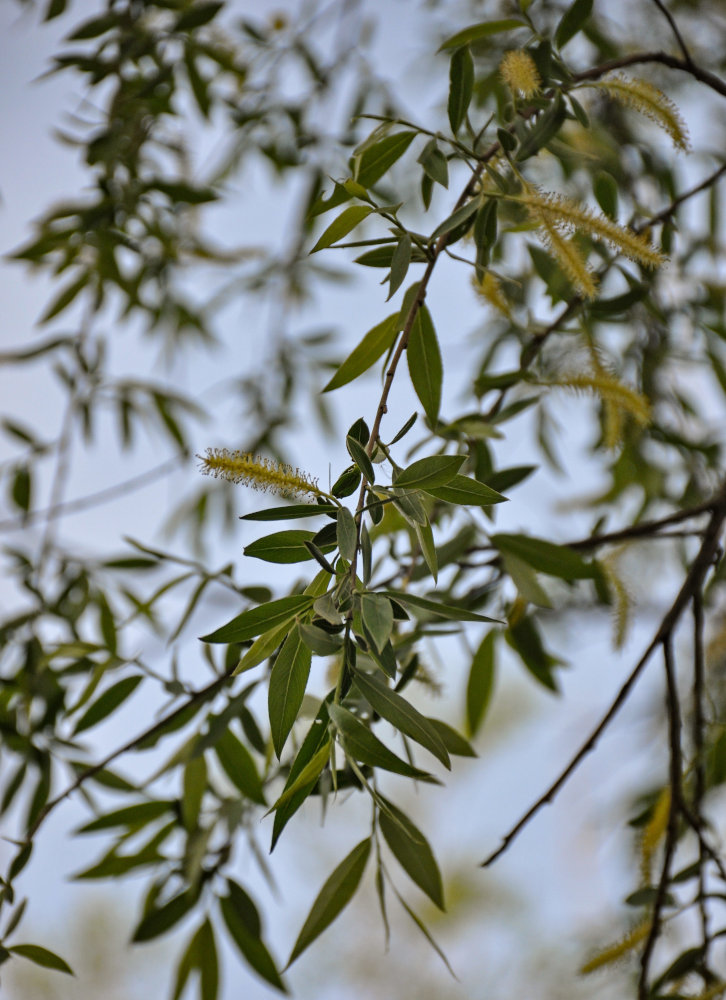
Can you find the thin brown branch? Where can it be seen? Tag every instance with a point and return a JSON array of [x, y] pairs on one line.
[[644, 529], [675, 29], [699, 767], [671, 838], [692, 583]]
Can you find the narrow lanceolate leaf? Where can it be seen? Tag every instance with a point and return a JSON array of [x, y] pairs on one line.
[[195, 783], [379, 158], [283, 546], [555, 560], [207, 962], [261, 619], [426, 473], [456, 219], [368, 351], [333, 897], [288, 680], [400, 263], [466, 492], [425, 536], [290, 512], [132, 817], [41, 956], [359, 455], [401, 714], [480, 684], [452, 739], [107, 703], [347, 533], [239, 766], [360, 743], [412, 851], [572, 20], [377, 615], [448, 611], [478, 31], [244, 930], [424, 364], [344, 224], [461, 86], [262, 648], [158, 921]]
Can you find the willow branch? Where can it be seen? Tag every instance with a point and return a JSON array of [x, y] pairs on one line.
[[664, 59], [643, 529], [692, 583], [699, 674], [675, 29]]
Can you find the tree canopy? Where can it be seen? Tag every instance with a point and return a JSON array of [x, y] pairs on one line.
[[554, 187]]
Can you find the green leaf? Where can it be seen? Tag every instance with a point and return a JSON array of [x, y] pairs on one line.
[[571, 22], [605, 188], [480, 685], [359, 455], [461, 86], [107, 703], [333, 897], [412, 851], [207, 962], [452, 740], [377, 159], [283, 546], [242, 931], [476, 32], [401, 714], [368, 351], [319, 641], [377, 615], [239, 766], [133, 817], [347, 533], [366, 748], [41, 956], [306, 779], [400, 263], [195, 783], [288, 681], [264, 618], [524, 638], [434, 163], [440, 610], [262, 648], [21, 488], [424, 364], [466, 492], [345, 223], [316, 738], [456, 219], [196, 15], [291, 512], [64, 298], [425, 536], [555, 560], [437, 470], [158, 921]]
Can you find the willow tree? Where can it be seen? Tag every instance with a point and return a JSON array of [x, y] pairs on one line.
[[557, 173]]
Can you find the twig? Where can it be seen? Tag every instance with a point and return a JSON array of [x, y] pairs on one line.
[[673, 62], [675, 29], [692, 583], [643, 529], [699, 762], [675, 775]]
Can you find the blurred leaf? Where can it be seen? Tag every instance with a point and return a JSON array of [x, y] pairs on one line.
[[476, 32], [107, 703], [480, 684], [41, 956], [239, 766]]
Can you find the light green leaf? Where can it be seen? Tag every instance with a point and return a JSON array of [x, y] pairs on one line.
[[288, 681], [133, 817], [526, 581], [437, 470], [466, 492], [424, 364], [412, 851], [261, 619], [346, 222], [333, 897], [368, 351], [262, 648], [478, 31], [360, 743], [480, 684], [395, 709], [378, 159]]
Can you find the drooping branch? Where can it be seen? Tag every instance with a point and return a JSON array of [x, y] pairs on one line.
[[692, 584]]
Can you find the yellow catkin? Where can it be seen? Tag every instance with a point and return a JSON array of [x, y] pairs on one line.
[[259, 473], [653, 832], [619, 398], [623, 600], [617, 950], [565, 216], [490, 289], [642, 96], [520, 73], [570, 259]]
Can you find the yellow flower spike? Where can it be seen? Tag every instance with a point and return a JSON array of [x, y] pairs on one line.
[[653, 833], [490, 289], [619, 949], [259, 473], [520, 73], [642, 96]]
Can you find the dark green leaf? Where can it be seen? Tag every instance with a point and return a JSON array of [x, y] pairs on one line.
[[64, 298], [461, 86], [333, 897], [158, 921], [435, 471], [425, 536], [288, 680], [197, 15], [605, 188], [346, 483], [261, 619], [107, 703], [401, 714], [424, 364], [21, 488], [368, 351], [571, 22], [292, 512], [249, 942], [400, 263], [359, 455], [41, 956], [439, 610], [435, 163], [456, 219], [525, 639], [207, 962], [555, 560], [195, 783], [480, 684], [282, 546], [133, 817], [412, 851], [366, 748]]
